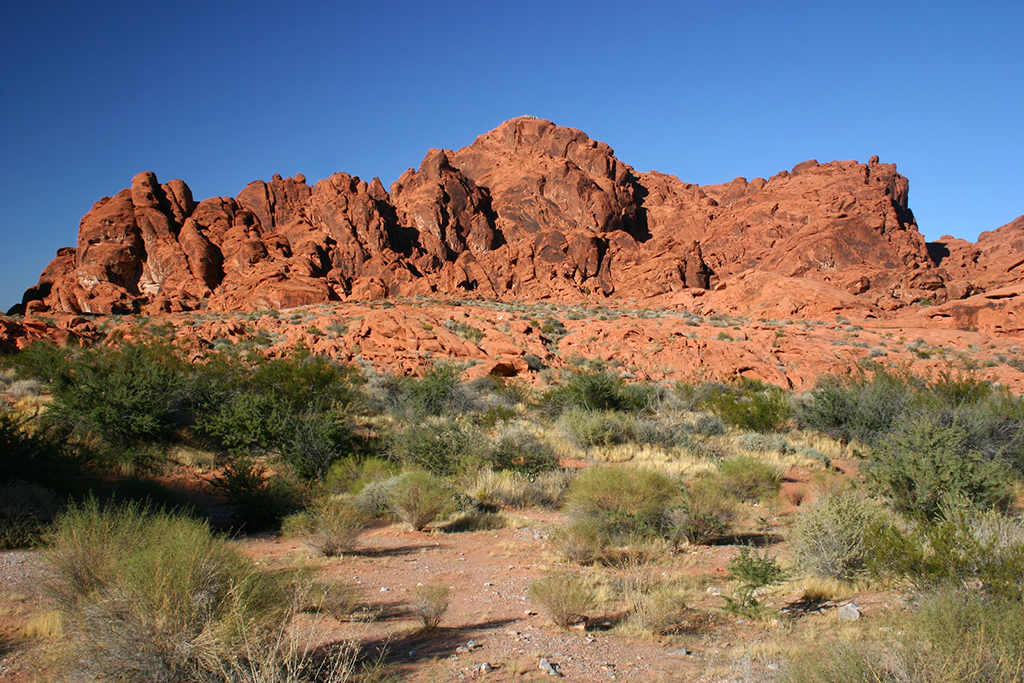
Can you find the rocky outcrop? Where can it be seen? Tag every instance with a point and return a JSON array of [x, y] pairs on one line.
[[529, 210]]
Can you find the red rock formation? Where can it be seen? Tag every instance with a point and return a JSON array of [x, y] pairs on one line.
[[530, 210]]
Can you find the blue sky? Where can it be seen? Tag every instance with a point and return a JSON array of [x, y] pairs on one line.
[[223, 93]]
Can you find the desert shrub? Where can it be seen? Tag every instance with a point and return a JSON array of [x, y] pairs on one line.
[[858, 408], [589, 428], [129, 397], [374, 498], [628, 502], [153, 597], [515, 490], [583, 541], [296, 406], [662, 430], [925, 464], [601, 391], [350, 474], [960, 546], [752, 569], [431, 604], [315, 440], [259, 500], [26, 509], [439, 392], [953, 635], [749, 405], [764, 443], [419, 497], [331, 526], [708, 424], [516, 448], [655, 608], [748, 479], [831, 538], [705, 514], [565, 598], [815, 454], [439, 445]]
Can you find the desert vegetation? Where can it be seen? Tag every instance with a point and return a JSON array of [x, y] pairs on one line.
[[878, 481]]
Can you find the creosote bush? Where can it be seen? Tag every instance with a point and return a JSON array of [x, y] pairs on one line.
[[440, 445], [515, 448], [926, 464]]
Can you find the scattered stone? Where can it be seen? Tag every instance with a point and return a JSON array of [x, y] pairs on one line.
[[547, 667], [680, 652], [485, 668], [849, 612]]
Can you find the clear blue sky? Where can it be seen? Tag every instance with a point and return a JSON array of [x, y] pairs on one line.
[[222, 93]]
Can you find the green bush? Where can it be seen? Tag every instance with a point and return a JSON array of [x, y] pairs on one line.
[[564, 597], [748, 479], [590, 428], [515, 448], [597, 391], [258, 499], [831, 538], [439, 445], [924, 465], [330, 526], [858, 408], [154, 597], [961, 546], [628, 502], [349, 475], [418, 498], [752, 570], [439, 392], [129, 397], [706, 513], [316, 440], [953, 635], [753, 406]]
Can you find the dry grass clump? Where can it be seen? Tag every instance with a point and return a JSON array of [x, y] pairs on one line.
[[431, 604], [565, 598], [516, 490], [831, 537], [418, 498], [749, 479], [961, 636], [157, 597], [331, 526]]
